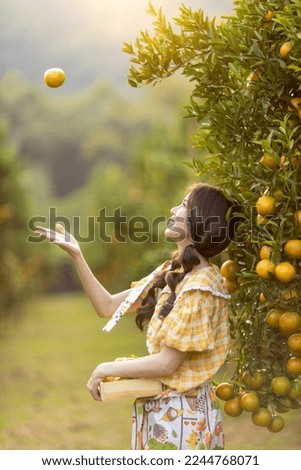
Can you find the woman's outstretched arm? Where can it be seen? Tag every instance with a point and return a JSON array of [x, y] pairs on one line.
[[104, 303]]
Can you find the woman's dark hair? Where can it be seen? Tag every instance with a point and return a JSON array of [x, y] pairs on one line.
[[211, 228]]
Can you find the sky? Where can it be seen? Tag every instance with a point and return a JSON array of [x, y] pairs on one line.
[[84, 37]]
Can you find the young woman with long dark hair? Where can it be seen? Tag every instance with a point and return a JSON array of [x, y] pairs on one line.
[[184, 305]]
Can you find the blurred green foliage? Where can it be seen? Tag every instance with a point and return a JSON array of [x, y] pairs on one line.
[[20, 269], [86, 152]]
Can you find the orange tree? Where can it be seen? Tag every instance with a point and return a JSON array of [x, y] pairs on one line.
[[19, 263], [247, 103]]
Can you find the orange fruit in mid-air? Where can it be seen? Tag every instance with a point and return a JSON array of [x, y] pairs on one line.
[[265, 205], [273, 318], [277, 424], [253, 380], [292, 249], [250, 401], [285, 272], [281, 386], [232, 407], [54, 77], [262, 417], [293, 366], [289, 323], [285, 49], [265, 252], [229, 269], [224, 391], [294, 344], [265, 269]]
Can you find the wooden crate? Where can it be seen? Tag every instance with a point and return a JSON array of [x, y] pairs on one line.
[[129, 388]]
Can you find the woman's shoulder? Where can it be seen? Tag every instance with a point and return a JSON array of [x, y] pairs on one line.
[[208, 279]]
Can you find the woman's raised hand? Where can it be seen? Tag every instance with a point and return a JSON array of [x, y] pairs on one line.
[[60, 237]]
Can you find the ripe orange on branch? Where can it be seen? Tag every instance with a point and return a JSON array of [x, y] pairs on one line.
[[294, 344], [229, 269], [260, 220], [281, 386], [266, 205], [285, 49], [296, 102], [265, 252], [250, 401], [273, 318], [297, 216], [285, 272], [295, 392], [279, 195], [293, 366], [269, 15], [232, 407], [262, 417], [230, 285], [277, 424], [269, 161], [254, 379], [253, 77], [224, 391], [289, 323], [292, 249], [265, 269]]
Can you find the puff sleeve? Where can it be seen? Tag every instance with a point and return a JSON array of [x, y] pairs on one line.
[[187, 327]]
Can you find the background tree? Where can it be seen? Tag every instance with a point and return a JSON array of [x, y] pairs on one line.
[[246, 101], [18, 263]]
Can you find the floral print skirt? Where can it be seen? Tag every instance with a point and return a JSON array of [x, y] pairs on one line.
[[173, 420]]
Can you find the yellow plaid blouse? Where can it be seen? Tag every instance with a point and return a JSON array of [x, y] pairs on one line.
[[197, 324]]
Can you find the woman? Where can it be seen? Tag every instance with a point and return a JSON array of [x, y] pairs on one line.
[[185, 308]]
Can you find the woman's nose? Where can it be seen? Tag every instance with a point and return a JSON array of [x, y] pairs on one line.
[[173, 210]]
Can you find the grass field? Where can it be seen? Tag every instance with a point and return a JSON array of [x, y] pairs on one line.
[[46, 360]]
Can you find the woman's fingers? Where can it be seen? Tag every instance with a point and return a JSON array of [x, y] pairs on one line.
[[93, 387], [52, 235], [46, 233], [59, 235], [60, 228]]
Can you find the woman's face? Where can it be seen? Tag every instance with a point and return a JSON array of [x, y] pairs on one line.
[[177, 224]]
